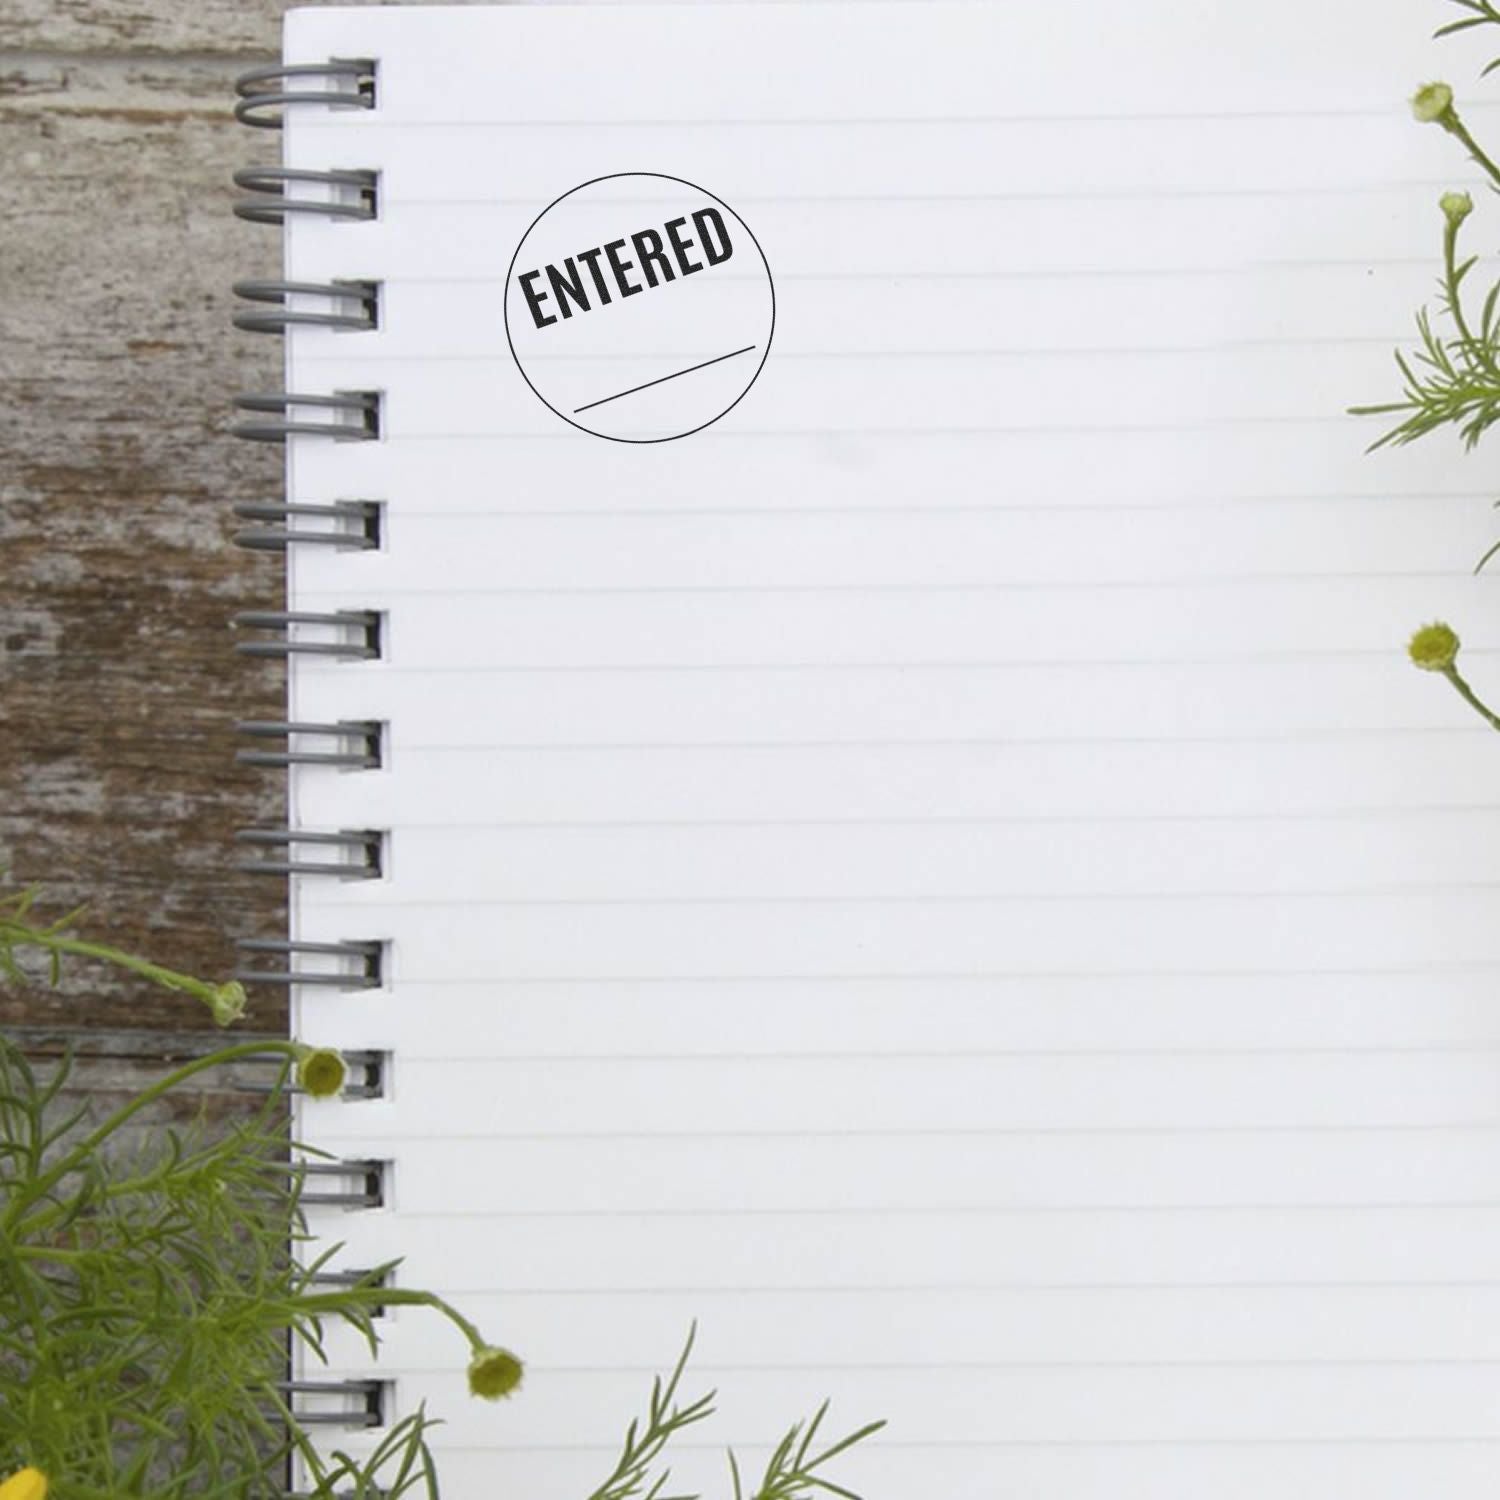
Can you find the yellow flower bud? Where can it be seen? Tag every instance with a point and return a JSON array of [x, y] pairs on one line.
[[1434, 648], [28, 1484], [1456, 207], [493, 1373], [320, 1072], [228, 1005], [1433, 104]]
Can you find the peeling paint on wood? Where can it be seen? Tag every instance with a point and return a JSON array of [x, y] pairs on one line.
[[226, 28], [118, 682], [222, 27]]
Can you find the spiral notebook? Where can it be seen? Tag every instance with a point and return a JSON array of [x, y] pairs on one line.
[[853, 771]]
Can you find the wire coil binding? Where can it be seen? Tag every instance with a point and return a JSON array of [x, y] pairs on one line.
[[363, 295], [363, 959], [262, 90], [370, 1276], [363, 1183], [274, 195], [362, 845], [368, 1394], [350, 193], [351, 524], [363, 407], [361, 739], [356, 633], [369, 1084]]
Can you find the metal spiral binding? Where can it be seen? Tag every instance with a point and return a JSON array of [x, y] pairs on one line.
[[362, 845], [362, 406], [370, 1276], [368, 1394], [351, 193], [363, 1179], [262, 89], [361, 740], [367, 1065], [273, 195], [365, 295], [352, 524], [363, 963], [356, 633], [367, 1276]]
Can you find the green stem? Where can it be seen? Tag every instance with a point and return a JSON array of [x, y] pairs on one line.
[[82, 1491], [1471, 698], [44, 1254], [316, 1470], [95, 1138], [25, 1292], [1456, 128], [19, 935], [1450, 280], [380, 1296], [1476, 349]]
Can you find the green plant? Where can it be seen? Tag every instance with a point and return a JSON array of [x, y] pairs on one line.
[[789, 1471], [1452, 379], [146, 1299]]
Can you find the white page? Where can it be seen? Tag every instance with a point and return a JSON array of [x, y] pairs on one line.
[[944, 875]]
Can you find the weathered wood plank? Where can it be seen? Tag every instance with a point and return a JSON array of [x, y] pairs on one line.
[[118, 684], [112, 1067], [109, 1069], [206, 27], [240, 29]]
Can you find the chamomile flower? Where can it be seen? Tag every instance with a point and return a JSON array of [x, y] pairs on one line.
[[1432, 104], [1434, 648], [1456, 207], [25, 1484], [227, 1002], [320, 1073], [493, 1374]]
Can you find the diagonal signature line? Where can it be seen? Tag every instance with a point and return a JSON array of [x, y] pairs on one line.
[[718, 359]]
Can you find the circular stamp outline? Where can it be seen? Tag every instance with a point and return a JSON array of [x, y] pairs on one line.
[[511, 269]]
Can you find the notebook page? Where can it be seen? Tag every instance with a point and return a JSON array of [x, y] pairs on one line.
[[943, 875]]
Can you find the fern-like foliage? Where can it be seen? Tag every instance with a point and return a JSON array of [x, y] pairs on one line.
[[1453, 378], [1479, 13], [790, 1472]]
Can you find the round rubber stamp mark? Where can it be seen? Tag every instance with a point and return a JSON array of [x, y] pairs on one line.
[[639, 307]]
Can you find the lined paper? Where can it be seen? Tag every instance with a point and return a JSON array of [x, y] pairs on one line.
[[945, 876]]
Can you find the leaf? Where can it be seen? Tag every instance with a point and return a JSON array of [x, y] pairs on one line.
[[664, 1419], [1487, 556], [868, 1430]]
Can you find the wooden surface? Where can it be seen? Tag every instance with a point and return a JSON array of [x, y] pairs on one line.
[[118, 683], [215, 29], [109, 1068], [117, 777], [230, 30], [117, 364]]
